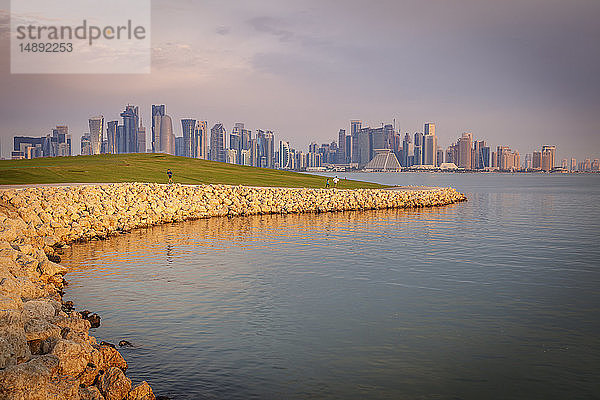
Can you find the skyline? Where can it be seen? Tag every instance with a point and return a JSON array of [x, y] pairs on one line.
[[516, 73], [177, 132]]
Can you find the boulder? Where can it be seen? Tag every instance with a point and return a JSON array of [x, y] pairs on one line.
[[38, 309], [141, 392], [73, 357], [90, 393], [114, 385]]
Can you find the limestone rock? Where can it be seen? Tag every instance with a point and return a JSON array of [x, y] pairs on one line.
[[114, 385], [38, 309], [90, 393], [73, 356], [141, 392]]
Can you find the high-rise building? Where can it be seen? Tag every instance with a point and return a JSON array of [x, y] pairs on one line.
[[548, 157], [111, 136], [465, 144], [23, 145], [564, 164], [266, 148], [355, 127], [235, 143], [573, 165], [536, 160], [440, 158], [528, 161], [188, 128], [429, 145], [508, 160], [179, 146], [407, 151], [130, 129], [285, 159], [341, 156], [96, 125], [141, 139], [254, 154], [418, 152], [86, 145], [365, 147], [217, 143], [157, 111], [595, 165], [201, 140]]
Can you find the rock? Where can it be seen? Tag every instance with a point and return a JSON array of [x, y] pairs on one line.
[[110, 357], [125, 343], [73, 356], [67, 306], [141, 392], [94, 320], [90, 393], [38, 309], [114, 385], [36, 380]]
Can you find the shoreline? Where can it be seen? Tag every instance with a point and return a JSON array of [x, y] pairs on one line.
[[45, 346]]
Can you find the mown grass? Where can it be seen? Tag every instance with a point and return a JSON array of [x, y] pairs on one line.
[[152, 168]]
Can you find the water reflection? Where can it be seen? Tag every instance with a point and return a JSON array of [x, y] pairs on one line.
[[497, 298]]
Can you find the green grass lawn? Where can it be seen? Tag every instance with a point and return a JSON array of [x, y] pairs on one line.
[[152, 168]]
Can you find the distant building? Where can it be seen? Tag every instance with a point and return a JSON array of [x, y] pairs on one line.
[[383, 161], [111, 137], [96, 125], [157, 111], [341, 156], [355, 127], [430, 145], [536, 161], [573, 165], [231, 156], [548, 157], [86, 145], [128, 140], [285, 159], [418, 149], [179, 146], [217, 143], [141, 139], [465, 144]]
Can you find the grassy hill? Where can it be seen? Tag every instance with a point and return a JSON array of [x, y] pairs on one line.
[[152, 168]]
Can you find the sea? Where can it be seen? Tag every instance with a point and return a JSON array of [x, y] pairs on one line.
[[496, 298]]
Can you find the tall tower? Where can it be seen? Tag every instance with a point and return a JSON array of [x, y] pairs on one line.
[[111, 136], [130, 129], [217, 143], [96, 133], [157, 111], [355, 127], [429, 146], [188, 126]]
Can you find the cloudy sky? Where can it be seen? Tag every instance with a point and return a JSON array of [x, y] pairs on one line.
[[520, 73]]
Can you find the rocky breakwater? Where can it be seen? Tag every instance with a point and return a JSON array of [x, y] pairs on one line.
[[46, 351]]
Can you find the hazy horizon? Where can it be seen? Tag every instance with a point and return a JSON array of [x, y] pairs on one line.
[[515, 73]]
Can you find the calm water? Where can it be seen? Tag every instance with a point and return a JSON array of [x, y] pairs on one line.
[[496, 298]]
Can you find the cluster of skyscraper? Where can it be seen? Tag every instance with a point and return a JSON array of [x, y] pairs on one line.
[[380, 148], [55, 144], [129, 136]]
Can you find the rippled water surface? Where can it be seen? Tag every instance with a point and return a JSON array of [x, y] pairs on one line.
[[498, 297]]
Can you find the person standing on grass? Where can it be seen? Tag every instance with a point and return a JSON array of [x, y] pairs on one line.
[[327, 183], [170, 175], [335, 181]]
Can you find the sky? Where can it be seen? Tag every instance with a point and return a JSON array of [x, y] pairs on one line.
[[517, 73]]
